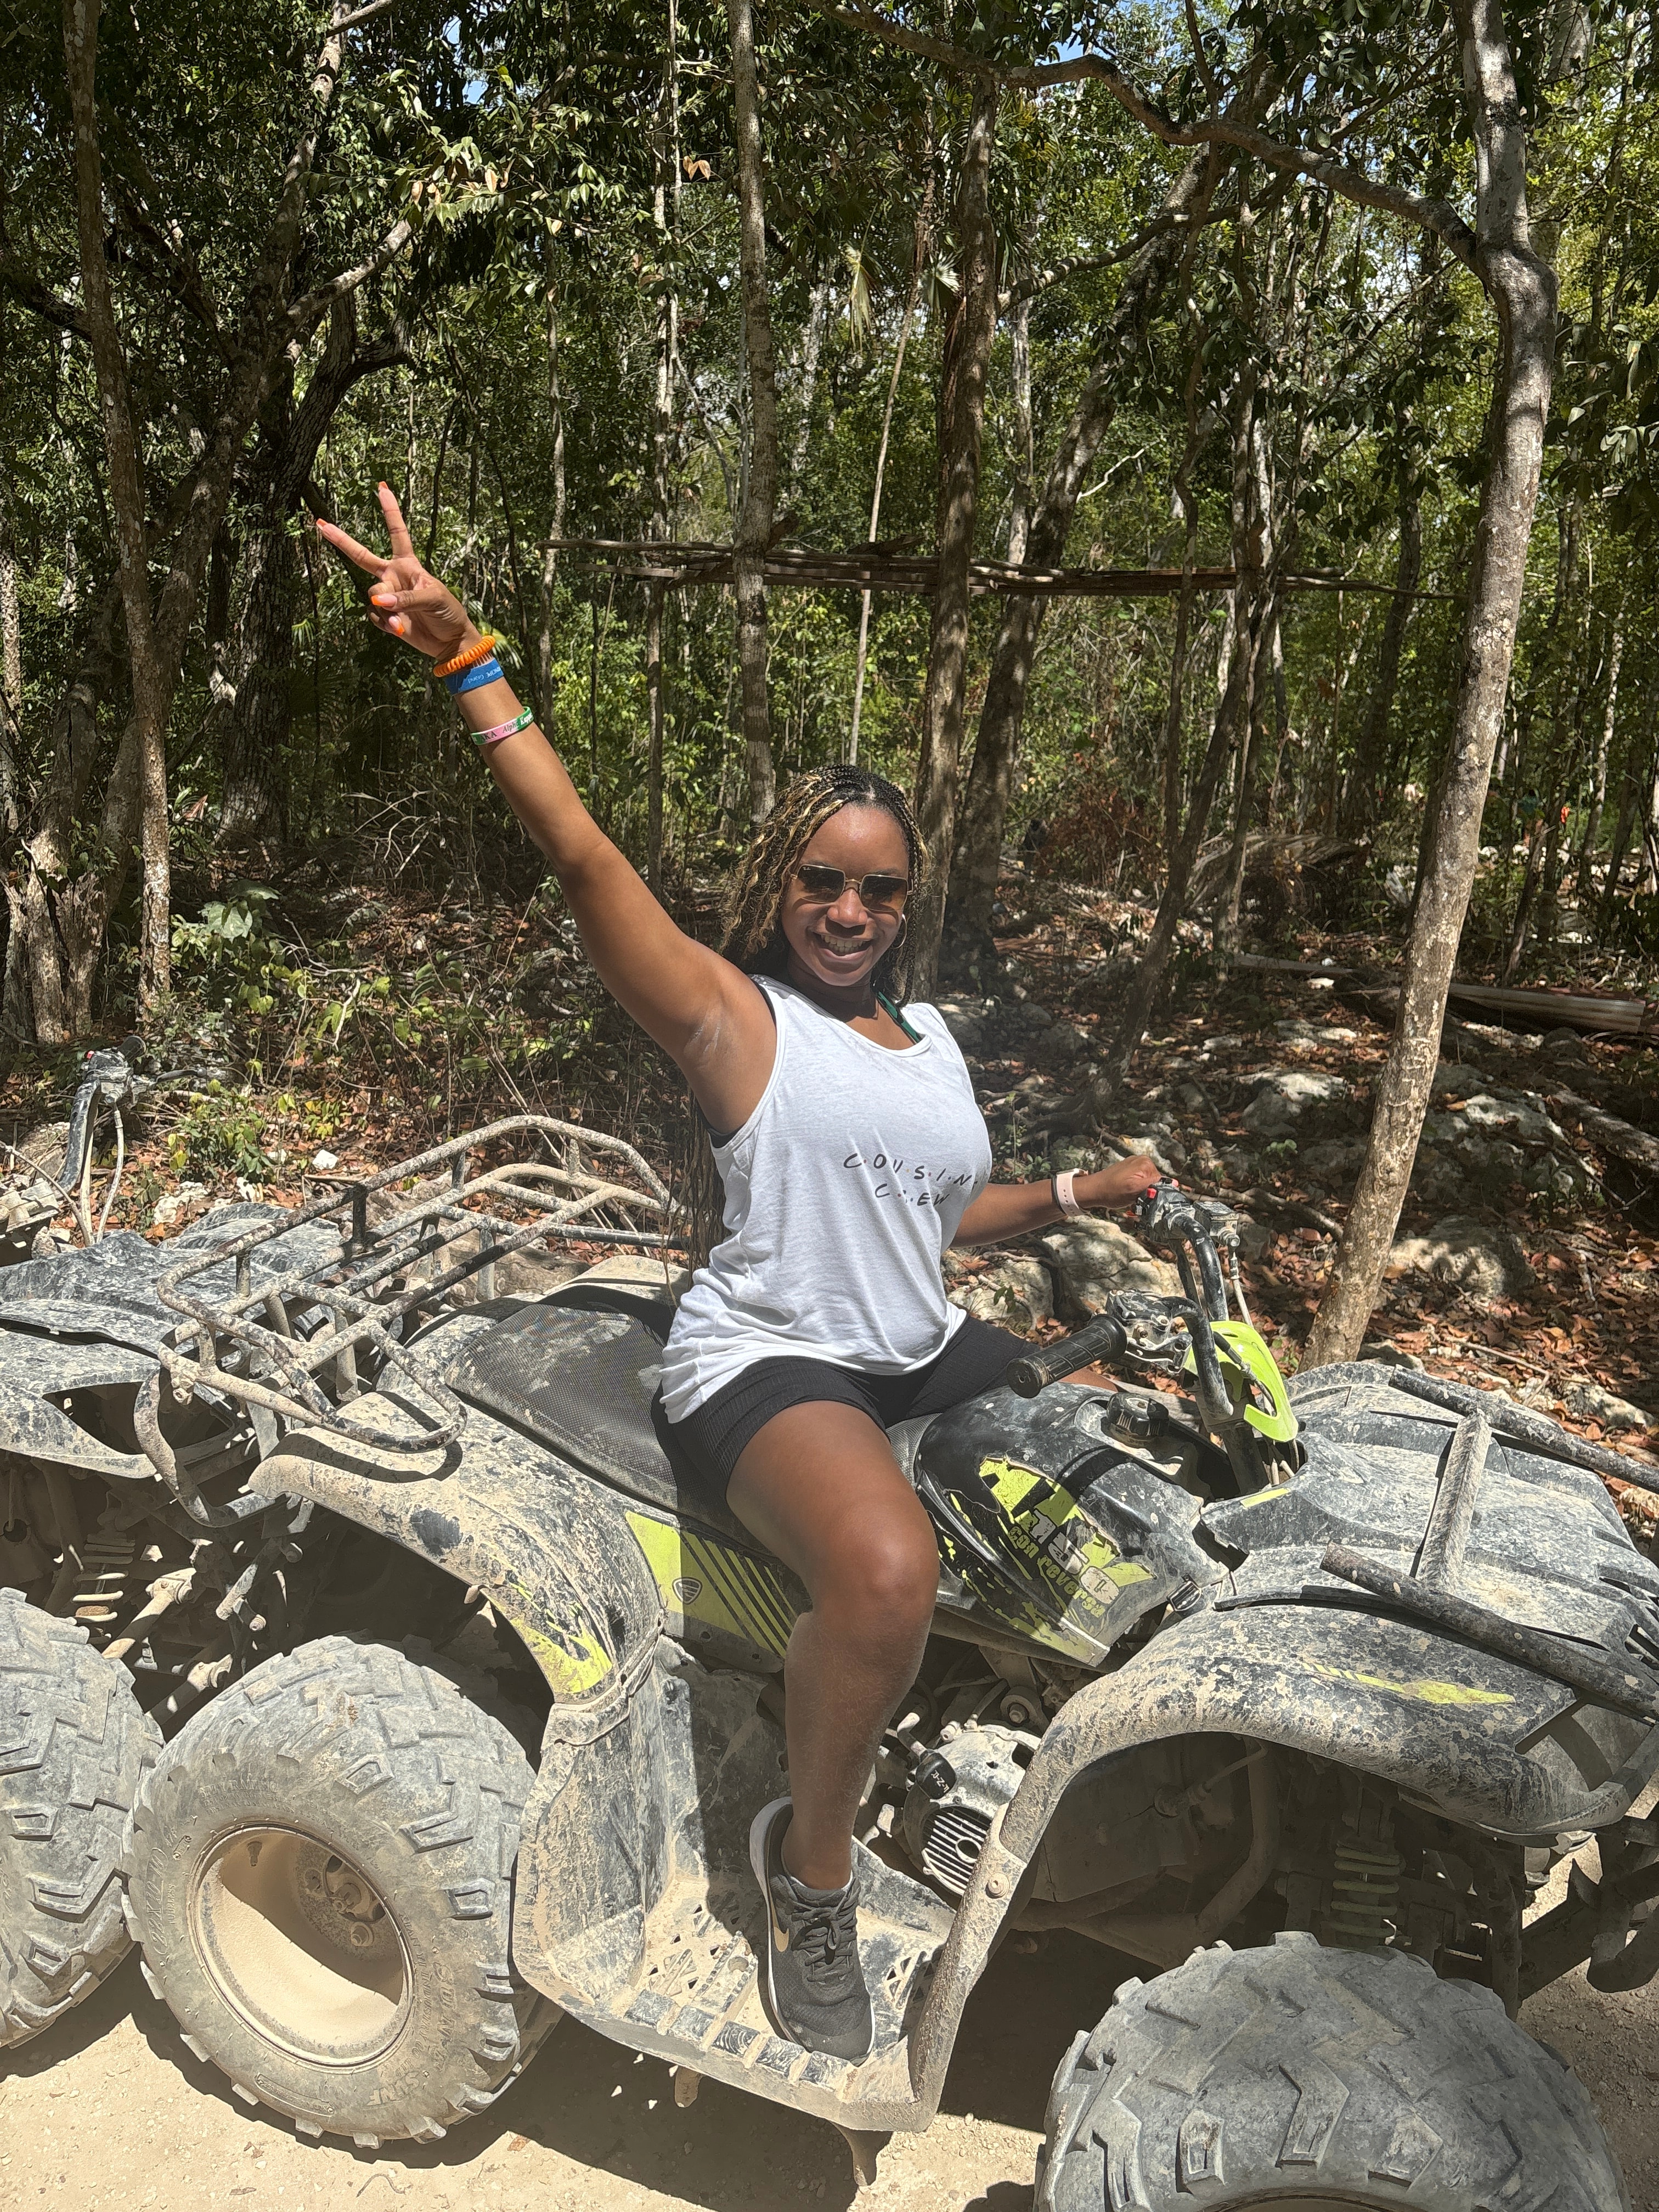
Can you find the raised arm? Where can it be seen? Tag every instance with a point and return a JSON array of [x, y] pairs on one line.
[[704, 1013]]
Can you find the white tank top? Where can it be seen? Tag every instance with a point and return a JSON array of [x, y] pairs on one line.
[[843, 1189]]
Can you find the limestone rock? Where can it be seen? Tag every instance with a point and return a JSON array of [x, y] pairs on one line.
[[966, 1018], [1206, 1164], [1013, 1295], [1331, 1164], [1563, 1044], [1308, 1037], [1082, 1159], [1390, 1355], [1464, 1255], [1254, 1239], [1092, 1258], [170, 1209], [1588, 1401], [1157, 1140], [1513, 1115], [1287, 1098], [1557, 1176], [44, 1148]]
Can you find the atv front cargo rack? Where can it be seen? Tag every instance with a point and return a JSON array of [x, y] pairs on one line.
[[273, 1339]]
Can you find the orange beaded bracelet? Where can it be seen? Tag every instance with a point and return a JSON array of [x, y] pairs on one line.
[[469, 658]]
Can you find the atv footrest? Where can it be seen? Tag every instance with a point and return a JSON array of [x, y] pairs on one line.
[[693, 1997]]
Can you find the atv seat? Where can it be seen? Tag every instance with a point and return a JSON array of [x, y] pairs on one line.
[[580, 1374]]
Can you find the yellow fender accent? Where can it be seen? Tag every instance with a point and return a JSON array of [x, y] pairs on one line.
[[1253, 1376]]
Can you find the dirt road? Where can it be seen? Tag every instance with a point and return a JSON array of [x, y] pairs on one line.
[[109, 2109]]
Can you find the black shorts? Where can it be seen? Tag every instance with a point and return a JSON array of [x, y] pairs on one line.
[[712, 1435]]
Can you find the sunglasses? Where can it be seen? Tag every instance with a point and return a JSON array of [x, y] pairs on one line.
[[824, 885]]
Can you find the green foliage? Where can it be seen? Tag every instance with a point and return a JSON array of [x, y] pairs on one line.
[[220, 1132]]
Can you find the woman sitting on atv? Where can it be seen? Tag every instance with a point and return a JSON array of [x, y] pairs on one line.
[[850, 1154]]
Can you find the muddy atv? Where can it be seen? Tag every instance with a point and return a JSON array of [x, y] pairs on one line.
[[361, 1624]]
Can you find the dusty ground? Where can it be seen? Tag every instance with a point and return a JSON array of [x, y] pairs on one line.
[[110, 2109]]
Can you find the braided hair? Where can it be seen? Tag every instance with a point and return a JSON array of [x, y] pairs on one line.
[[752, 938]]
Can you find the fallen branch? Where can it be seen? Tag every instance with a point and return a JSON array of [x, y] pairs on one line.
[[1595, 1010], [1609, 1133], [1293, 1209]]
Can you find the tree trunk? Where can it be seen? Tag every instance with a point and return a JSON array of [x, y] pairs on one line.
[[665, 215], [551, 553], [1025, 491], [152, 691], [1230, 905], [1093, 1104], [1523, 291], [1599, 771], [754, 533], [11, 671], [55, 913], [1529, 892], [254, 805], [1173, 715], [1365, 790], [1233, 713], [1622, 837], [974, 875], [134, 806], [966, 360], [254, 712], [1261, 555], [924, 227], [249, 687], [1188, 505], [811, 351]]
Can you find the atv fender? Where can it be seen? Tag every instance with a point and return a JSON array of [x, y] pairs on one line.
[[548, 1546], [35, 1428], [1485, 1743]]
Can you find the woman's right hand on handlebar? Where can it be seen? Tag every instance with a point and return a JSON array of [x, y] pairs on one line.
[[407, 602]]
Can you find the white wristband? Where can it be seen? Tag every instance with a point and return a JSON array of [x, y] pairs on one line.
[[1066, 1195]]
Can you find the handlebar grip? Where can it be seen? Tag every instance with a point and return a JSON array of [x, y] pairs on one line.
[[1100, 1338]]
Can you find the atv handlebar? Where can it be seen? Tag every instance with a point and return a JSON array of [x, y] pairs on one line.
[[1103, 1337], [1171, 1220], [1190, 1229]]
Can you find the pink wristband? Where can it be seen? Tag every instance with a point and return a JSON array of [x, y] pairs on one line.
[[493, 736], [1066, 1193]]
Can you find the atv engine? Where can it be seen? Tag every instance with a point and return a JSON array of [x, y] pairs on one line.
[[955, 1792]]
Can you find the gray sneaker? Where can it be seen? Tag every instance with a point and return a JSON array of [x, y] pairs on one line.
[[814, 1984]]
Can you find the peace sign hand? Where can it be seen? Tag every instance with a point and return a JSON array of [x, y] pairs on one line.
[[407, 602]]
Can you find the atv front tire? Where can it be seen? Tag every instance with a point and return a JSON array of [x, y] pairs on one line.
[[1297, 2075], [73, 1744], [320, 1874]]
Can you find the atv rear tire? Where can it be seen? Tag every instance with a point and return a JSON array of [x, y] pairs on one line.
[[73, 1744], [320, 1873], [1299, 2075]]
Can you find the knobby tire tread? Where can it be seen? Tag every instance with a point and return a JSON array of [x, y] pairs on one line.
[[74, 1745], [1300, 2070], [337, 1723]]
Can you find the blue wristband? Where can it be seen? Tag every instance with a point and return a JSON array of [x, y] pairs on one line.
[[470, 679]]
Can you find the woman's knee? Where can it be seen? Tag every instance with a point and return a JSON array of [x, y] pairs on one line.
[[883, 1581]]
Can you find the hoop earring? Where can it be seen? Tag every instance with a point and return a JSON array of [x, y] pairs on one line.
[[904, 930]]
